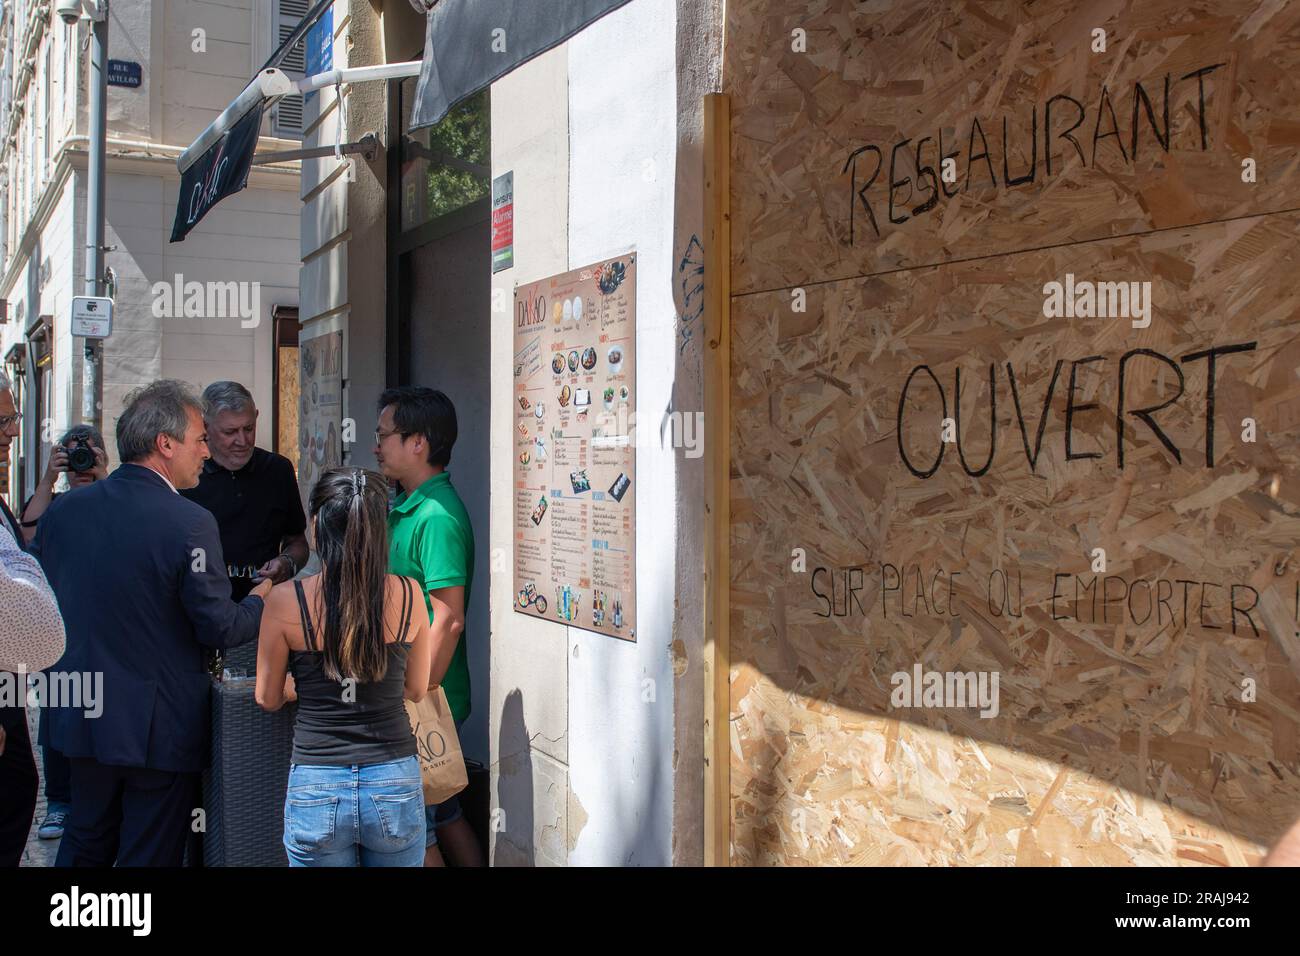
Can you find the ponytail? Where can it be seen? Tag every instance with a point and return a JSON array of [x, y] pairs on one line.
[[349, 507]]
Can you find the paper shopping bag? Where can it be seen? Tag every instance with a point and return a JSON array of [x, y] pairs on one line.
[[437, 747]]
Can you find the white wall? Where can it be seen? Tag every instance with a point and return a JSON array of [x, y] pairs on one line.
[[249, 237], [130, 37], [580, 752], [529, 659], [622, 140], [323, 238], [192, 85], [66, 255]]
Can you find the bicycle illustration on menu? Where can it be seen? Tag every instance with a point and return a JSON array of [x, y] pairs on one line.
[[529, 596]]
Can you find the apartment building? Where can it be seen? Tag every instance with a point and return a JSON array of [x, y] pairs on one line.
[[172, 67]]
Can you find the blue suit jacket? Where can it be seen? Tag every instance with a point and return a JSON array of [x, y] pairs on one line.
[[142, 586]]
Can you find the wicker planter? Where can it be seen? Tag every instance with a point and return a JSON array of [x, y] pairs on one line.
[[243, 657], [244, 787]]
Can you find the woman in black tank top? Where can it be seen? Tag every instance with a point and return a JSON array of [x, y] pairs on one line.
[[357, 643]]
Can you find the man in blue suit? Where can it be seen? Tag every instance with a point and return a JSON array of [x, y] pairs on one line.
[[141, 581]]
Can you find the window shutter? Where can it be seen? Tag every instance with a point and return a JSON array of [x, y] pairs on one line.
[[286, 116]]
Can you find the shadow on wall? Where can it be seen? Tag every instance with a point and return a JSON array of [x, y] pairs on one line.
[[514, 843]]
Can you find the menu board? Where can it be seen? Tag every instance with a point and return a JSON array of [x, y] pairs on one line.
[[575, 455]]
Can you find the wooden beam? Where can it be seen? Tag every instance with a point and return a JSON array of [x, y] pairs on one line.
[[717, 418]]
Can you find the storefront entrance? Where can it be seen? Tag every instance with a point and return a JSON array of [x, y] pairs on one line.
[[439, 233]]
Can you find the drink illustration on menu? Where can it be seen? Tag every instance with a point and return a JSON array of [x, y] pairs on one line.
[[575, 470]]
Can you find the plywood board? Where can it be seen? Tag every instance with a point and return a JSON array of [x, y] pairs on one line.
[[844, 112], [1166, 685], [933, 450]]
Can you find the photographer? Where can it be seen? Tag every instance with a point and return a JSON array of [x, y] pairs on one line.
[[80, 454]]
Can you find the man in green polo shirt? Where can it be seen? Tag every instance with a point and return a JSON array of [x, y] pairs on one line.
[[430, 540]]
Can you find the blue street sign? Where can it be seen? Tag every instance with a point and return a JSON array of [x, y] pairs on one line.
[[319, 46], [124, 73]]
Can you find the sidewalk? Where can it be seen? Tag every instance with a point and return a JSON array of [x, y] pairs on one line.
[[39, 852]]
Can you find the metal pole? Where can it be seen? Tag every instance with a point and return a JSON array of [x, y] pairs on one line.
[[93, 394]]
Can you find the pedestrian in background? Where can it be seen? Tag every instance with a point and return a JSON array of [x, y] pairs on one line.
[[76, 437]]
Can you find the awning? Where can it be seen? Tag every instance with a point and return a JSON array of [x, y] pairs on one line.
[[218, 172], [216, 164], [470, 43]]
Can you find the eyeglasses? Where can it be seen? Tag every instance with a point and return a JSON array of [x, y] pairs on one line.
[[7, 420], [381, 435]]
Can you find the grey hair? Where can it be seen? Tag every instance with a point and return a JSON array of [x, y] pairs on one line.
[[158, 409], [83, 433], [5, 384], [226, 397]]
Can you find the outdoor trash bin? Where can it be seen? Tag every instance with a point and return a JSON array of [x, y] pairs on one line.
[[244, 786]]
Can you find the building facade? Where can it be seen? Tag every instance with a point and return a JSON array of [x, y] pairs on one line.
[[173, 66], [795, 291], [593, 742], [792, 300]]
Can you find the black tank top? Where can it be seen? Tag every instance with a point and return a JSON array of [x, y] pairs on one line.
[[369, 726]]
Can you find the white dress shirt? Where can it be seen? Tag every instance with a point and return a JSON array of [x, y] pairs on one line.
[[31, 629]]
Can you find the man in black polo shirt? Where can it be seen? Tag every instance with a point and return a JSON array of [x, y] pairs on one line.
[[251, 492]]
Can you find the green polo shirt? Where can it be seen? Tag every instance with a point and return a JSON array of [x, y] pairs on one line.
[[430, 540]]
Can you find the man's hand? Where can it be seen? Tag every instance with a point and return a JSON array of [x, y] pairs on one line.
[[262, 588], [290, 689], [278, 570]]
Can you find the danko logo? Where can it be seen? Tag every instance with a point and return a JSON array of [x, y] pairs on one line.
[[75, 908]]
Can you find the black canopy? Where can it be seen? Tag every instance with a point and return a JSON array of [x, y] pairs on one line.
[[470, 43]]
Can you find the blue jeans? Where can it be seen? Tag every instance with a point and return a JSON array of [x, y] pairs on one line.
[[360, 815]]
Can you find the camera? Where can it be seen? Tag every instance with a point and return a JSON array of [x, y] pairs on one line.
[[81, 455], [69, 11]]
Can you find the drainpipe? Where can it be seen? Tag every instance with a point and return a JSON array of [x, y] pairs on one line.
[[92, 396]]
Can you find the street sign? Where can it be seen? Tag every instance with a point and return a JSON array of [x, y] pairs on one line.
[[92, 316], [124, 73], [319, 49]]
